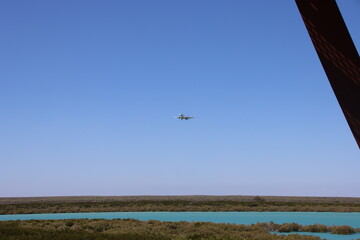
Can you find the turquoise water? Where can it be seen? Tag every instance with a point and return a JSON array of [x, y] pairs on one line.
[[304, 218], [327, 236]]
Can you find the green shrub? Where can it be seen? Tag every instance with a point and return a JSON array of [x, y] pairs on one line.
[[69, 223], [101, 227], [289, 227], [315, 228], [271, 226], [342, 230]]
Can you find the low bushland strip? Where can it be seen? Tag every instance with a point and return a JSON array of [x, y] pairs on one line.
[[257, 204], [191, 198], [130, 229]]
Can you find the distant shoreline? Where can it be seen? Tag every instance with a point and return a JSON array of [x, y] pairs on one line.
[[192, 198], [177, 204]]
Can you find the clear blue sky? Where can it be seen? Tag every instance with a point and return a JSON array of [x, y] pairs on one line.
[[89, 91]]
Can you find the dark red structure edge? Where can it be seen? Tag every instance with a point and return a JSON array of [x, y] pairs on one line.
[[338, 55]]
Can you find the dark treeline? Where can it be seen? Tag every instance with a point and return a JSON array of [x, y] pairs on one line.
[[130, 229], [257, 204]]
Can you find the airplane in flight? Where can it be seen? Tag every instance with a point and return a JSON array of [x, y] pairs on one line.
[[183, 117]]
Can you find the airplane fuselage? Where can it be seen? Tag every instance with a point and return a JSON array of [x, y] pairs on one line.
[[184, 117]]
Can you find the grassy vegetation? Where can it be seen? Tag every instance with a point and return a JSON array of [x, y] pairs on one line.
[[320, 228], [192, 198], [316, 228], [133, 229], [177, 206], [342, 230], [129, 229]]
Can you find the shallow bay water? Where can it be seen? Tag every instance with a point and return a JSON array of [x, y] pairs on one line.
[[304, 218]]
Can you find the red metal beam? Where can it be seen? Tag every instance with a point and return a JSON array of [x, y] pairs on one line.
[[338, 55]]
